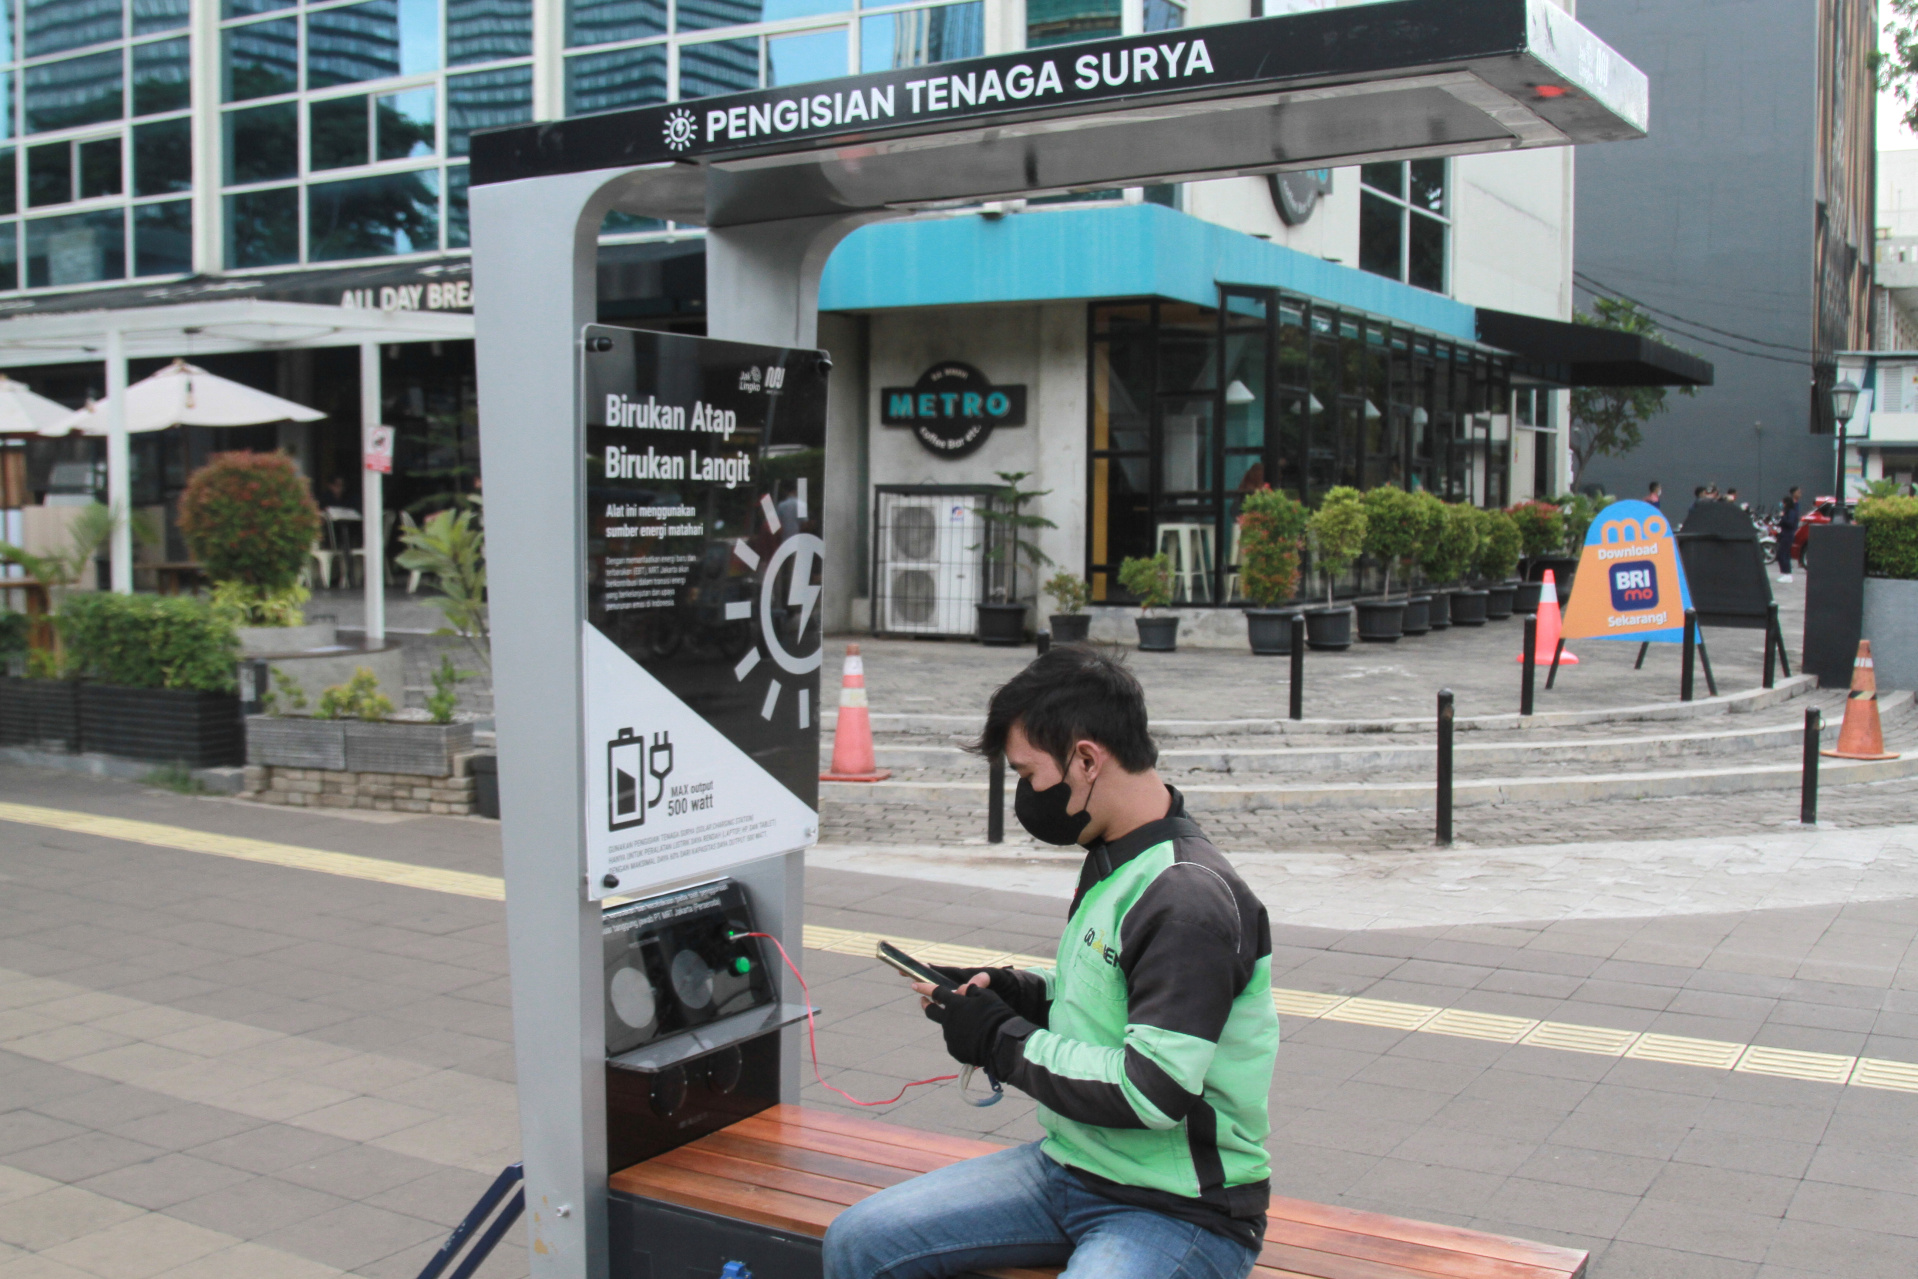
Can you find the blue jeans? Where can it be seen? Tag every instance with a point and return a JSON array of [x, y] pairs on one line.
[[1018, 1208]]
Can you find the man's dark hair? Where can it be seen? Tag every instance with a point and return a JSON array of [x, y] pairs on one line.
[[1072, 693], [1698, 491]]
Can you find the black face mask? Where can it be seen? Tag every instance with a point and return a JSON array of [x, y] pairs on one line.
[[1043, 813]]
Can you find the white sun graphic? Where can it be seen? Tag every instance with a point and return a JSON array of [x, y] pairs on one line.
[[681, 130], [802, 593]]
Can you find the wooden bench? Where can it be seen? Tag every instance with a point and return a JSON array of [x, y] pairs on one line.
[[792, 1170]]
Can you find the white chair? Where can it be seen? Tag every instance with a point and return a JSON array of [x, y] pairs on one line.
[[386, 566], [1190, 548], [322, 564]]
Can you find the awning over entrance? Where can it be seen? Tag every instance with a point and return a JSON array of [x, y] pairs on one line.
[[1585, 355], [1405, 79]]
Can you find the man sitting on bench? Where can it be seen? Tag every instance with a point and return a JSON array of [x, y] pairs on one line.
[[1149, 1046]]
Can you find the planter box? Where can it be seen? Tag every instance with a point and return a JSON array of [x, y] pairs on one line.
[[424, 750], [1381, 621], [296, 742], [1070, 628], [1158, 634], [1498, 601], [1891, 624], [1002, 625], [1270, 631], [40, 712], [1440, 610], [168, 725], [1418, 615], [1468, 608]]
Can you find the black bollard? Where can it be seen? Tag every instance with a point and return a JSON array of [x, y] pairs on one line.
[[1445, 766], [1045, 642], [1808, 783], [1691, 656], [996, 801], [1529, 659], [1771, 646], [1298, 666]]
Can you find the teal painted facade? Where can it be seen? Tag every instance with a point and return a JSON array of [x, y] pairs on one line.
[[1138, 250]]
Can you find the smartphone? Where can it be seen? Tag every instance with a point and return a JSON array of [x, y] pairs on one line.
[[906, 966]]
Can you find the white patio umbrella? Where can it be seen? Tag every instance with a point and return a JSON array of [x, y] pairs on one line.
[[183, 394], [24, 413]]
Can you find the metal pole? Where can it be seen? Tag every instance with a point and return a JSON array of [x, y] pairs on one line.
[[996, 800], [1691, 656], [1444, 832], [119, 465], [1771, 646], [1297, 708], [1530, 660], [1045, 642], [1808, 783], [1838, 515], [1551, 676], [1778, 635], [372, 500]]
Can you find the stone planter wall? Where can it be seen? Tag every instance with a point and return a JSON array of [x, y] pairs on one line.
[[355, 746], [1891, 624], [382, 792]]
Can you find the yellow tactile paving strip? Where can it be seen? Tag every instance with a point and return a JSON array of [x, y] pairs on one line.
[[1710, 1054]]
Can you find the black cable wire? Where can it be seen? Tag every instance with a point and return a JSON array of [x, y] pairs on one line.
[[1700, 324], [1595, 287]]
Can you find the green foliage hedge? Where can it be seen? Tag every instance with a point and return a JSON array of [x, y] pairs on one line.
[[1541, 527], [1452, 549], [148, 641], [1499, 546], [248, 518], [1891, 536], [1271, 531]]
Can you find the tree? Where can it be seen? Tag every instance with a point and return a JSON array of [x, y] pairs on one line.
[[1606, 420], [1898, 70]]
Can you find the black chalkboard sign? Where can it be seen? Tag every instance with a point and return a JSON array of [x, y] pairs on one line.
[[1730, 586]]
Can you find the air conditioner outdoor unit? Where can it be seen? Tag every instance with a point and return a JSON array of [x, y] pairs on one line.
[[929, 563]]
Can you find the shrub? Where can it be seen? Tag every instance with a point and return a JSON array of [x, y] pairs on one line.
[[451, 547], [148, 641], [1452, 548], [1271, 537], [246, 605], [14, 628], [358, 698], [1069, 591], [1499, 546], [248, 518], [1580, 510], [1337, 533], [1149, 578], [1394, 525], [1891, 536], [1541, 527], [445, 697]]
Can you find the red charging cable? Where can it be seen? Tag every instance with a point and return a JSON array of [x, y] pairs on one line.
[[813, 1043]]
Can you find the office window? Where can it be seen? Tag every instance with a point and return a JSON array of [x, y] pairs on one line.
[[160, 77], [9, 194], [373, 217], [372, 41], [49, 174], [338, 135], [151, 17], [247, 8], [260, 60], [621, 78], [6, 103], [916, 37], [1164, 15], [163, 238], [262, 143], [704, 15], [81, 248], [718, 66], [99, 168], [1064, 21], [9, 255], [54, 25], [807, 56], [62, 172], [163, 157], [458, 233], [606, 21], [488, 30], [1404, 215], [491, 99], [263, 228], [60, 95]]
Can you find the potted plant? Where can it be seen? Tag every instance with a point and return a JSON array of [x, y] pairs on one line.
[[1438, 570], [1497, 558], [249, 520], [1071, 624], [1541, 531], [1149, 580], [1394, 523], [450, 548], [1336, 533], [1464, 536], [1002, 621], [156, 678], [1271, 528], [1891, 587], [356, 729], [1579, 511]]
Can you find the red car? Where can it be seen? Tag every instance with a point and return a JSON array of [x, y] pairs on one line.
[[1820, 513]]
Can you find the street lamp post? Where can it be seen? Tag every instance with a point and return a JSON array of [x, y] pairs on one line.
[[1844, 402]]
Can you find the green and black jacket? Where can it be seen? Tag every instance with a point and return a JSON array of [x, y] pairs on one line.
[[1150, 1046]]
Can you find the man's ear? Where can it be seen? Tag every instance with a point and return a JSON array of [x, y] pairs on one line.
[[1088, 753]]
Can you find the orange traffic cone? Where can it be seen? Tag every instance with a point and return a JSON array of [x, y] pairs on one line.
[[1549, 624], [852, 759], [1860, 736]]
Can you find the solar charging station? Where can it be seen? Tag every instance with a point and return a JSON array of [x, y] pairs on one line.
[[654, 503]]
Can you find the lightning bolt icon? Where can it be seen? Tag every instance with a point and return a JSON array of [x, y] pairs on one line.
[[803, 593]]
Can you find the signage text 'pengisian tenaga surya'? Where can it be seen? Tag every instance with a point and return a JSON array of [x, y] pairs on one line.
[[1140, 65]]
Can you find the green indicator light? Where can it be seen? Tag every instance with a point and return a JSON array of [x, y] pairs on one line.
[[742, 965]]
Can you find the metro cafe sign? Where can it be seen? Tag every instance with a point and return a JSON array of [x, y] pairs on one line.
[[952, 408]]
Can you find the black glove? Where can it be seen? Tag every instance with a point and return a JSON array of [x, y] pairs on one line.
[[971, 1021], [1024, 992]]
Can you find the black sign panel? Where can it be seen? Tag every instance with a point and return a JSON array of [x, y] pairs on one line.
[[1724, 568], [703, 464], [952, 408]]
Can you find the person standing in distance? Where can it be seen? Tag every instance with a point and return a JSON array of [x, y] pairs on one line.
[[1787, 532], [1149, 1046], [1655, 494]]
